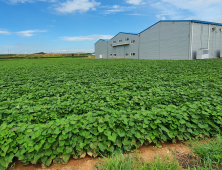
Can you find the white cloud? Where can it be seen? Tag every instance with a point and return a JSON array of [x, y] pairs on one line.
[[117, 8], [59, 50], [209, 10], [89, 38], [191, 4], [30, 1], [135, 14], [77, 5], [135, 2], [5, 32], [163, 18], [29, 33]]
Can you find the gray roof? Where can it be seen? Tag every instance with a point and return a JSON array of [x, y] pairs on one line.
[[195, 21]]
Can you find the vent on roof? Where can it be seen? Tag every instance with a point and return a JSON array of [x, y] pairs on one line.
[[132, 54], [214, 29]]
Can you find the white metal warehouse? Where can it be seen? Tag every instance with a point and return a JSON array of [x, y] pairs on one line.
[[167, 39]]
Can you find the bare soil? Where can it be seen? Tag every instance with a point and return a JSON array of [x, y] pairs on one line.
[[148, 153]]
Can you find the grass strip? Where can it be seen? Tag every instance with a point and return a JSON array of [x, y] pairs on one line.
[[209, 152]]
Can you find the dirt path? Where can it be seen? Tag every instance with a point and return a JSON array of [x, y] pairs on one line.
[[88, 163]]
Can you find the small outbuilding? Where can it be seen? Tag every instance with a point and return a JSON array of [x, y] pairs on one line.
[[166, 40], [101, 48]]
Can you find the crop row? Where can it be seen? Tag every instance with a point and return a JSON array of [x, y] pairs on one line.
[[104, 132], [42, 91], [53, 109]]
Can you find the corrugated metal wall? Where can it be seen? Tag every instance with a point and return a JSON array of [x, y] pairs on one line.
[[150, 43], [121, 51], [101, 49], [215, 45], [165, 40], [201, 36], [174, 40]]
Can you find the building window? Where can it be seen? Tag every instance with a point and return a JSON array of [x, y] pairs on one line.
[[114, 42], [127, 54], [111, 45], [205, 51], [132, 54], [220, 29], [127, 39], [120, 41], [213, 29], [133, 41], [114, 54], [111, 55]]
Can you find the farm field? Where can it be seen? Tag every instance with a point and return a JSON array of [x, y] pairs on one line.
[[37, 56], [54, 109]]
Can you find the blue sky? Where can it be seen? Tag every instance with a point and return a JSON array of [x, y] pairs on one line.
[[66, 26]]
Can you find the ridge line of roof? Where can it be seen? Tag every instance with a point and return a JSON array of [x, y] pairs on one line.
[[194, 21], [102, 40], [123, 33]]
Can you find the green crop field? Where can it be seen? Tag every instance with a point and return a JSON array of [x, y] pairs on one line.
[[54, 109]]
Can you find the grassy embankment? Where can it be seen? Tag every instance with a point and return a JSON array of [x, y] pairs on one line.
[[207, 155]]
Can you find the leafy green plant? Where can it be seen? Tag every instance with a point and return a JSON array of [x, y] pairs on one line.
[[54, 109]]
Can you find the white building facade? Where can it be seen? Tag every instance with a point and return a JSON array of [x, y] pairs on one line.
[[167, 40], [123, 45], [101, 49]]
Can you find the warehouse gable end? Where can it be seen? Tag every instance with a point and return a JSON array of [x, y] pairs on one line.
[[101, 49], [122, 45]]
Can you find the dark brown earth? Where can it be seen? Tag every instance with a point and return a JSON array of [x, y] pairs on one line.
[[179, 150]]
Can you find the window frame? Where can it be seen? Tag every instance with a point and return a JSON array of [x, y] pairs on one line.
[[132, 54], [213, 29]]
